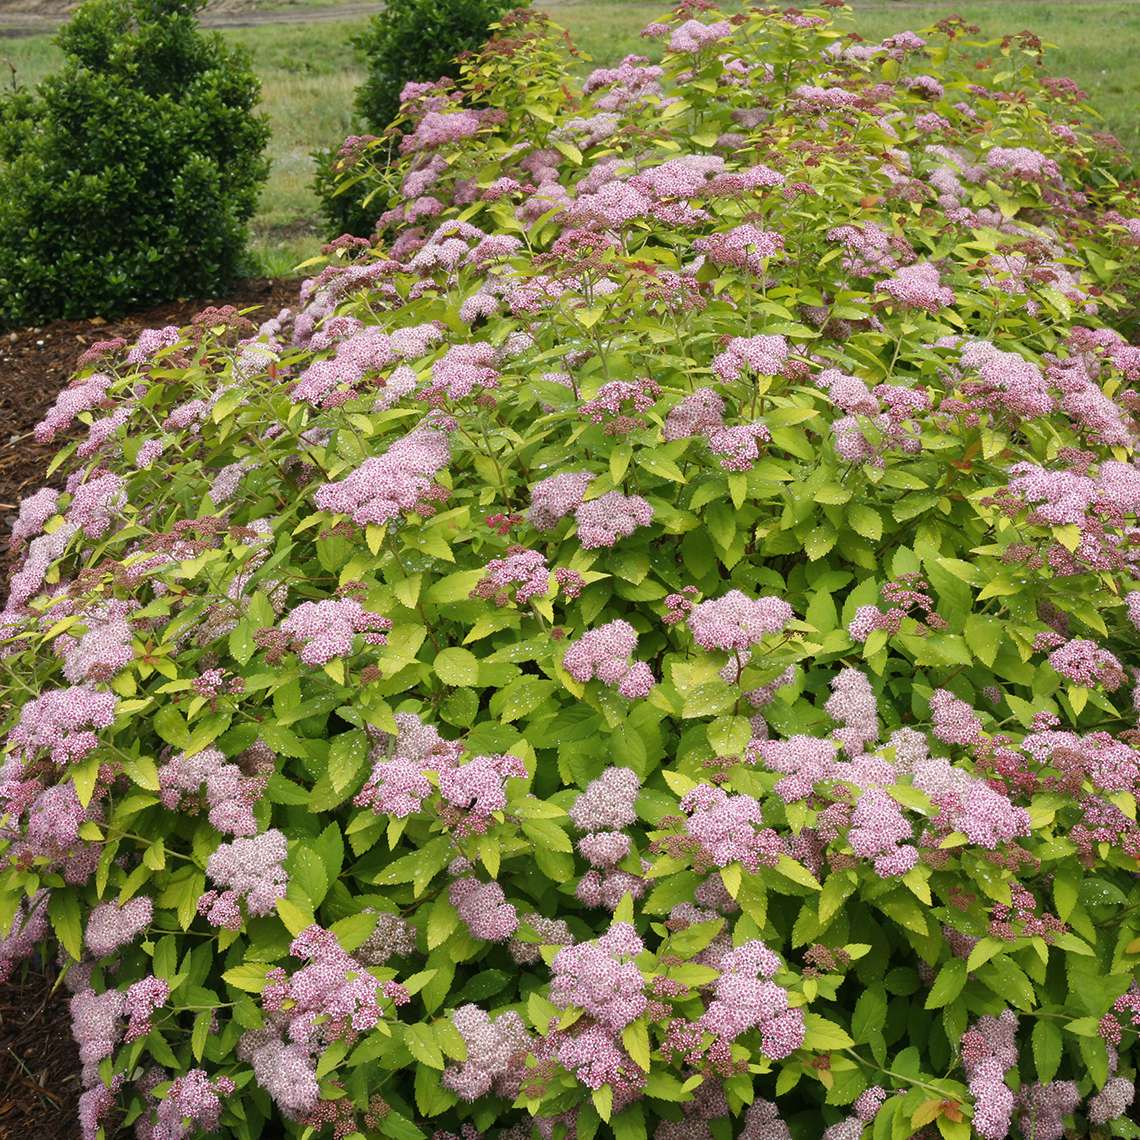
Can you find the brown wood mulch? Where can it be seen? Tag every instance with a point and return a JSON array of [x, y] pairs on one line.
[[39, 1067]]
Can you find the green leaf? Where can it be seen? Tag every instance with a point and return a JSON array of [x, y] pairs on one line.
[[603, 1099], [399, 1127], [169, 724], [250, 976], [200, 1033], [870, 1012], [422, 1045], [865, 520], [822, 1034], [629, 1124], [635, 1038], [457, 667], [984, 635], [948, 985], [1047, 1047], [819, 541], [347, 754], [64, 912], [797, 872], [729, 735]]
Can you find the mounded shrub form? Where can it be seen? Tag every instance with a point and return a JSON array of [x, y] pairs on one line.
[[646, 649], [128, 176]]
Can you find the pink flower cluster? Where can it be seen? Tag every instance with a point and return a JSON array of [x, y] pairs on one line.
[[326, 629], [400, 481], [602, 521], [605, 653], [1084, 663], [806, 760], [869, 249], [111, 926], [484, 909], [1008, 383], [989, 1047], [330, 996], [95, 1026], [734, 622], [954, 721], [555, 497], [29, 926], [397, 785], [525, 569], [917, 287], [103, 649], [362, 351], [496, 1054], [729, 828], [478, 789], [286, 1071], [1023, 162], [193, 1105], [96, 503], [881, 832], [852, 704], [691, 36], [63, 723], [745, 997], [601, 978], [619, 404], [746, 247], [246, 869], [35, 510], [82, 397], [230, 794], [463, 369], [702, 413], [608, 803], [143, 999]]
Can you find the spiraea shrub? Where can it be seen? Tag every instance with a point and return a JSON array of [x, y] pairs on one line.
[[129, 175], [646, 649]]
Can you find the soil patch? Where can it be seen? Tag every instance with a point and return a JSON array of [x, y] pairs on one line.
[[39, 1067]]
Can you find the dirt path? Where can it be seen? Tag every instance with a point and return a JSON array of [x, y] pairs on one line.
[[16, 23]]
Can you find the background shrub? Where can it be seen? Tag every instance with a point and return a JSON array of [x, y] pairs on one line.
[[411, 41], [648, 649], [129, 175], [418, 41]]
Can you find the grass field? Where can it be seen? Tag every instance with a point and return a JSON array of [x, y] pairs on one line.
[[309, 74]]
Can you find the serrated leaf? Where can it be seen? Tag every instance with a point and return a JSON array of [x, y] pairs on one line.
[[947, 985], [422, 1045], [1047, 1048], [635, 1038], [250, 976], [865, 520], [64, 913], [457, 667], [819, 541]]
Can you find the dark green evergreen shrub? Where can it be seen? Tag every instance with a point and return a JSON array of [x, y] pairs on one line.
[[416, 41], [128, 176], [411, 41]]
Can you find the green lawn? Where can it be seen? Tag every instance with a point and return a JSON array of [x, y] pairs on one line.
[[309, 73]]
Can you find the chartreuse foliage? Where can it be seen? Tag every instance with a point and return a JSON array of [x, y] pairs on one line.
[[799, 701]]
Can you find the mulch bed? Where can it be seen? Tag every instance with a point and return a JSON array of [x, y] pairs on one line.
[[39, 1066]]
